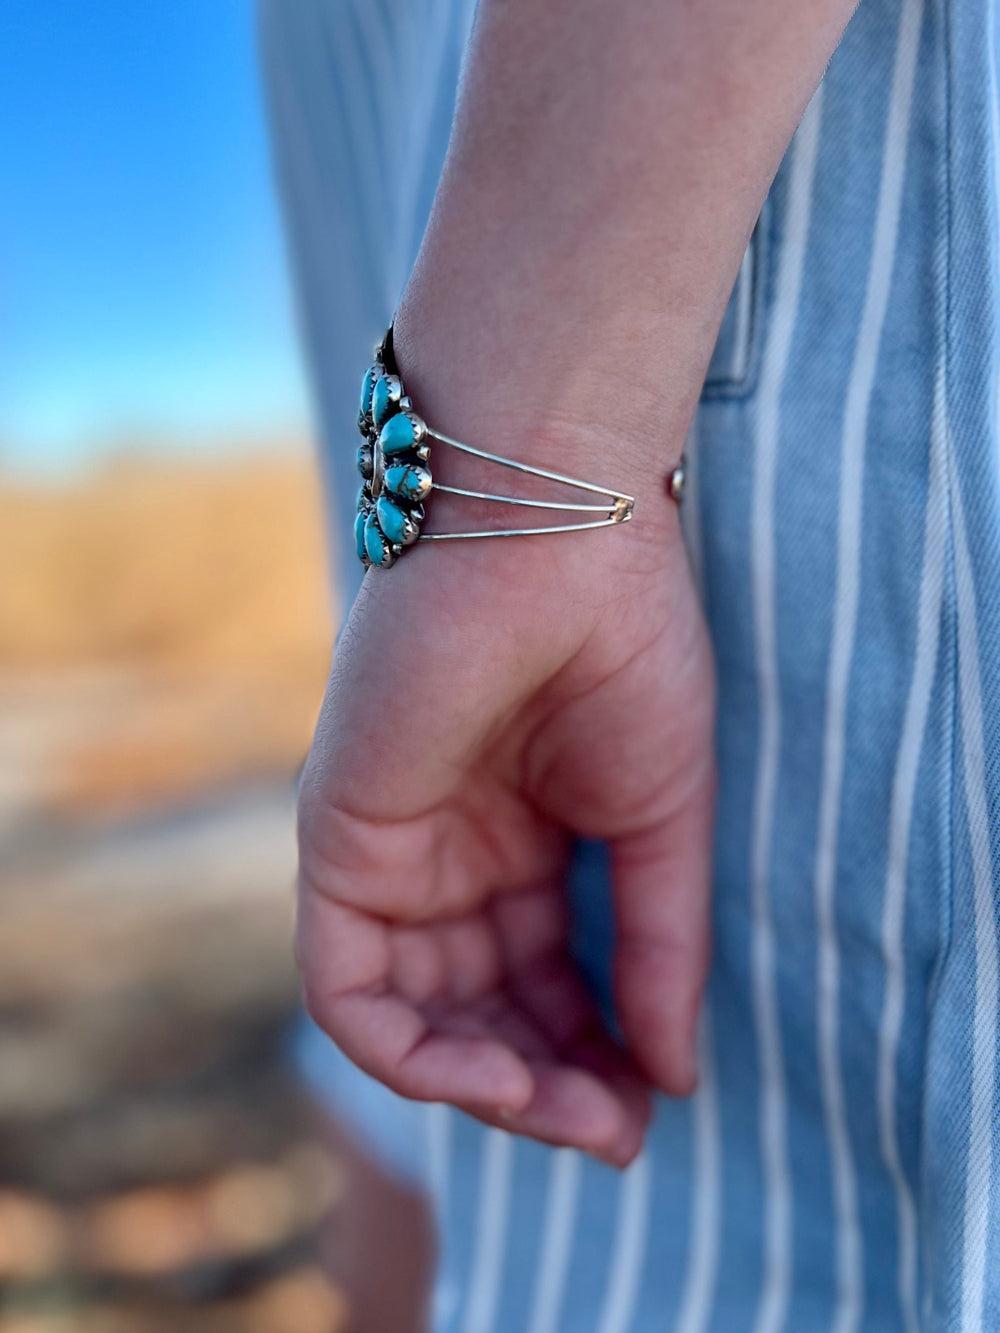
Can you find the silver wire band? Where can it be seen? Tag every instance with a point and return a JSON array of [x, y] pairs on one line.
[[618, 511], [522, 532]]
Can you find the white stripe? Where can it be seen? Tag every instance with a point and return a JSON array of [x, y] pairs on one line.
[[703, 1261], [361, 57], [743, 306], [848, 1252], [437, 1124], [777, 1221], [992, 38], [900, 824], [422, 32], [491, 1231], [982, 1110], [631, 1227], [436, 31], [558, 1226]]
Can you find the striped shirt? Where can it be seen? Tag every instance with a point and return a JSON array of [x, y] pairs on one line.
[[838, 1167]]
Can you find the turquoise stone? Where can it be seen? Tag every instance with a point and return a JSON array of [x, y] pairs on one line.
[[359, 534], [408, 481], [376, 546], [398, 435], [367, 385], [386, 394], [396, 525]]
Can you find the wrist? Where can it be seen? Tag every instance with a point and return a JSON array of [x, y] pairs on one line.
[[551, 413]]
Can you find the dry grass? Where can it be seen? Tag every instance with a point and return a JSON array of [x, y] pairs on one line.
[[173, 616]]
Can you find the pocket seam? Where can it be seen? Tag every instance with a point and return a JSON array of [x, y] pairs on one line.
[[727, 387]]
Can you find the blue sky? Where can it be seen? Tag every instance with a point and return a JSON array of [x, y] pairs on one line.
[[142, 279]]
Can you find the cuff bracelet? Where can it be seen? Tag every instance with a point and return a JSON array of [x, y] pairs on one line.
[[397, 480]]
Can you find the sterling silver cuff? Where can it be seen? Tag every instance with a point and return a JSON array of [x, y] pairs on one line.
[[397, 480]]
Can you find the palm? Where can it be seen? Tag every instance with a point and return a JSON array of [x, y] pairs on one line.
[[433, 915]]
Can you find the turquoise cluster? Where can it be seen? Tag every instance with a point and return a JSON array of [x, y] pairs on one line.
[[392, 462]]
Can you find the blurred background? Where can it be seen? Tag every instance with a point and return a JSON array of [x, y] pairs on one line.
[[164, 635]]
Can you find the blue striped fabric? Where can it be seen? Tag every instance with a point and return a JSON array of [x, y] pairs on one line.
[[838, 1167]]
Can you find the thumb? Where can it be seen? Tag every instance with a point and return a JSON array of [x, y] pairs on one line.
[[661, 880]]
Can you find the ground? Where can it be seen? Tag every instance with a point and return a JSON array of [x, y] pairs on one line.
[[164, 637]]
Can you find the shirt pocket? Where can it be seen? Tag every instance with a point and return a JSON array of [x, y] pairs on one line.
[[732, 370]]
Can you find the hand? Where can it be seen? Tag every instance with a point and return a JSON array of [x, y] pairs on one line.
[[488, 702]]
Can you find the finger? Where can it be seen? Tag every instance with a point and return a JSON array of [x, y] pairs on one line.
[[532, 931], [546, 984], [586, 1093], [390, 1040], [456, 961], [572, 1108], [552, 994], [606, 1107], [661, 880], [346, 958]]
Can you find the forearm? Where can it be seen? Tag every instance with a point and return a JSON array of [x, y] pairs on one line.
[[607, 165]]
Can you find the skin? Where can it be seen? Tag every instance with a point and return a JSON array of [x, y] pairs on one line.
[[489, 701]]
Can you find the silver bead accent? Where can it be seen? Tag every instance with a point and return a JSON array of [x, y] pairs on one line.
[[676, 481]]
